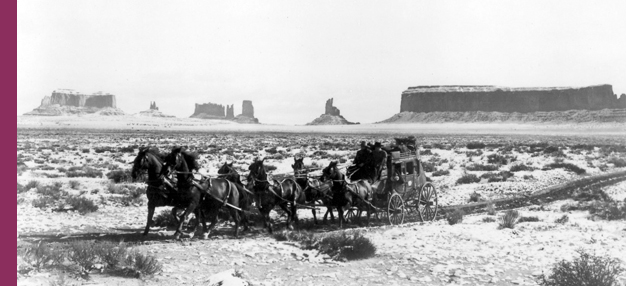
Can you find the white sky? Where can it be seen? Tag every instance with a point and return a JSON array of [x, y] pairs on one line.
[[288, 57]]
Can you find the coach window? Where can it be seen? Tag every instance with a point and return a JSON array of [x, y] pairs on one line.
[[409, 167]]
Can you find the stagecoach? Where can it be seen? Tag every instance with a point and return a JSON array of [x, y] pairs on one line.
[[403, 187]]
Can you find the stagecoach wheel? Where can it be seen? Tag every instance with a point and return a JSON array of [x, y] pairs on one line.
[[427, 204], [395, 209], [349, 215]]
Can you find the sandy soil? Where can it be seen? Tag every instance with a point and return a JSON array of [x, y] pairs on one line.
[[435, 253]]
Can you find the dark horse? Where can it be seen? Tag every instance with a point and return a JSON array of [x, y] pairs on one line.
[[246, 196], [314, 190], [346, 195], [159, 192], [269, 194], [190, 193], [220, 192]]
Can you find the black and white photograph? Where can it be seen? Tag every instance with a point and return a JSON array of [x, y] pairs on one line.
[[258, 143]]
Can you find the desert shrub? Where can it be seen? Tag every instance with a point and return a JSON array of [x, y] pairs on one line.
[[520, 167], [42, 255], [84, 171], [610, 210], [74, 184], [617, 162], [489, 219], [499, 159], [528, 219], [528, 177], [141, 265], [348, 245], [438, 173], [475, 197], [127, 149], [476, 153], [586, 269], [455, 217], [562, 220], [567, 166], [428, 167], [467, 179], [550, 149], [32, 184], [426, 152], [491, 209], [270, 168], [475, 145], [481, 167], [111, 254], [83, 254], [509, 219], [53, 190], [85, 150], [569, 207], [165, 219], [271, 150], [20, 188], [103, 149], [81, 204]]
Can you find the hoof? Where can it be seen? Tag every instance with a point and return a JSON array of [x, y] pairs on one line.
[[205, 235], [177, 236]]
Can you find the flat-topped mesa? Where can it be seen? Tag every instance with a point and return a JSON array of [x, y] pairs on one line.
[[66, 102], [208, 111], [505, 99], [330, 109]]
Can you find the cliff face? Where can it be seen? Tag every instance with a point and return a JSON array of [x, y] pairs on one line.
[[500, 99], [230, 111], [247, 109], [67, 103], [330, 109], [208, 110], [80, 100]]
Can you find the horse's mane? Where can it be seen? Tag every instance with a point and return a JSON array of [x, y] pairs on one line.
[[191, 158]]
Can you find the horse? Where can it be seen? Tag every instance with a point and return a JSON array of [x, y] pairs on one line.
[[189, 193], [313, 189], [246, 196], [346, 194], [219, 192], [269, 194], [159, 193]]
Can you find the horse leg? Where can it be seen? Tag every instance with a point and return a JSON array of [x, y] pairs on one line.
[[212, 216], [289, 215], [235, 215], [340, 214], [200, 217], [179, 231], [150, 215]]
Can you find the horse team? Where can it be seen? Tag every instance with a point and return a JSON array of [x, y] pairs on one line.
[[206, 196]]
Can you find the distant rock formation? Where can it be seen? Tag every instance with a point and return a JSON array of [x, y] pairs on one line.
[[153, 112], [503, 99], [230, 111], [330, 109], [218, 111], [331, 116], [247, 113], [490, 103], [67, 102], [209, 111]]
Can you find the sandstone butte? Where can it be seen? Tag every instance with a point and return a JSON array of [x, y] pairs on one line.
[[68, 102], [332, 116], [218, 111], [493, 103]]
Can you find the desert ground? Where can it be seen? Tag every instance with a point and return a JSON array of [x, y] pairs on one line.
[[73, 187]]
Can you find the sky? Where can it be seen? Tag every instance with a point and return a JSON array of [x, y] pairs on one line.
[[289, 57]]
